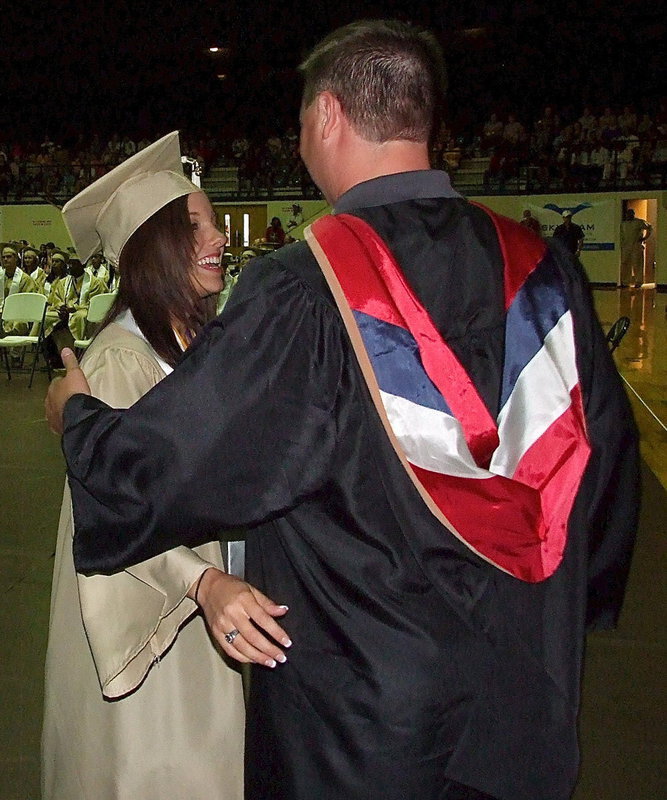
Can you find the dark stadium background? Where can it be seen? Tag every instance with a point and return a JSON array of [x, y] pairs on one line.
[[143, 68]]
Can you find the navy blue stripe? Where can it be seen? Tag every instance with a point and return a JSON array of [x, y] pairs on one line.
[[397, 364], [534, 312]]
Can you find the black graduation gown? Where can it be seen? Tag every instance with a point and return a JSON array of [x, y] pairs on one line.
[[413, 661]]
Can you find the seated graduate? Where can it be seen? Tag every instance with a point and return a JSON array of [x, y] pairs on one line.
[[68, 303], [30, 264], [12, 280]]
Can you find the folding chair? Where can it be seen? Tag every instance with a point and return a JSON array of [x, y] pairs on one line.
[[97, 311], [24, 307], [617, 332]]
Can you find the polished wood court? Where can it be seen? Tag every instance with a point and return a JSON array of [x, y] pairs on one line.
[[623, 727]]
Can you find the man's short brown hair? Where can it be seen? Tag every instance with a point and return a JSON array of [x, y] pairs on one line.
[[388, 76]]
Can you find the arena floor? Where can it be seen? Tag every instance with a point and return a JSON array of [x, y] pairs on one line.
[[623, 727]]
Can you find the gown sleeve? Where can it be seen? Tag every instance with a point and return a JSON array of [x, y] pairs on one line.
[[611, 483], [221, 442], [152, 594]]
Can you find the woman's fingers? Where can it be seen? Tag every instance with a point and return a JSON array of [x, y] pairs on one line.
[[231, 605]]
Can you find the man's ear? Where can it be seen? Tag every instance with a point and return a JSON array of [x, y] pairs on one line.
[[329, 113]]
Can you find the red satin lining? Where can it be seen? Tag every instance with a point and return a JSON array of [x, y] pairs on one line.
[[378, 288], [520, 523]]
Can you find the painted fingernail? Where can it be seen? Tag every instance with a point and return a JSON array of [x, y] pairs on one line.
[[287, 642], [270, 663], [282, 658], [285, 607]]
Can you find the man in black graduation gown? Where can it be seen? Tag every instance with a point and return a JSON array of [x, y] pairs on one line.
[[418, 669]]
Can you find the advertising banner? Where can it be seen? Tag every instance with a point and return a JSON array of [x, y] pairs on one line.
[[596, 219]]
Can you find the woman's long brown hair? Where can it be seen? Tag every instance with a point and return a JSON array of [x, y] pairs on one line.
[[155, 284]]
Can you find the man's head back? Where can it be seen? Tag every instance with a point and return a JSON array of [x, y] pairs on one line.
[[389, 78], [370, 96]]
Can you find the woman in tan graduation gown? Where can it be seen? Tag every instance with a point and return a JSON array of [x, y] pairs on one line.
[[140, 701]]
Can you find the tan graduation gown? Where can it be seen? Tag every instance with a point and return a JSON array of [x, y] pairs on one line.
[[39, 276], [77, 322], [180, 733]]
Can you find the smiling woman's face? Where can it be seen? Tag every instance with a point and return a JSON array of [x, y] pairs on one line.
[[207, 274]]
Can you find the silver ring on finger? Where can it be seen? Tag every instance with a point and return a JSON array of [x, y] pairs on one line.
[[229, 637]]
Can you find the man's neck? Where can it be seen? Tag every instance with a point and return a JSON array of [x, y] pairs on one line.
[[375, 160]]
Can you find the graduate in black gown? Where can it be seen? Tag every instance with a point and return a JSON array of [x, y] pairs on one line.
[[422, 667]]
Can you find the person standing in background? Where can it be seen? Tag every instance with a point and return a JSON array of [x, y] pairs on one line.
[[529, 221], [634, 232], [571, 234]]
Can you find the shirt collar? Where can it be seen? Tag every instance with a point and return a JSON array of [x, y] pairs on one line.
[[417, 185]]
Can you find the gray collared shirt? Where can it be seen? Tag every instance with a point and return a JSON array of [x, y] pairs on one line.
[[420, 184]]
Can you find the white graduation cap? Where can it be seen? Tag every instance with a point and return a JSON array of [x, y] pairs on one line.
[[106, 213]]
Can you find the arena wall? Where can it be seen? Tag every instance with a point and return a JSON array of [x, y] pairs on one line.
[[598, 214]]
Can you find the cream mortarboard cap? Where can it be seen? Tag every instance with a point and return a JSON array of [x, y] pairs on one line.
[[106, 213]]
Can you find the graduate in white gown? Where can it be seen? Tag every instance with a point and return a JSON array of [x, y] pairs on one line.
[[139, 701]]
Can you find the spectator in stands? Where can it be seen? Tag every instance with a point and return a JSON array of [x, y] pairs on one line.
[[497, 171], [127, 147], [659, 159], [114, 145], [492, 133], [529, 221], [578, 133], [645, 126], [546, 128], [608, 124], [240, 147], [588, 121], [570, 233], [627, 121], [600, 160], [627, 156], [274, 233], [274, 145], [513, 132]]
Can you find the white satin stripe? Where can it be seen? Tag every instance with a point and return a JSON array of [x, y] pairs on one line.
[[430, 439], [541, 395]]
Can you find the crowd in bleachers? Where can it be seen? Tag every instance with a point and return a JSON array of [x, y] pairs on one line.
[[596, 149], [55, 171], [558, 150]]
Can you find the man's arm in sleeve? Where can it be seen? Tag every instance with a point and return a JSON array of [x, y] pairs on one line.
[[239, 433], [611, 481]]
